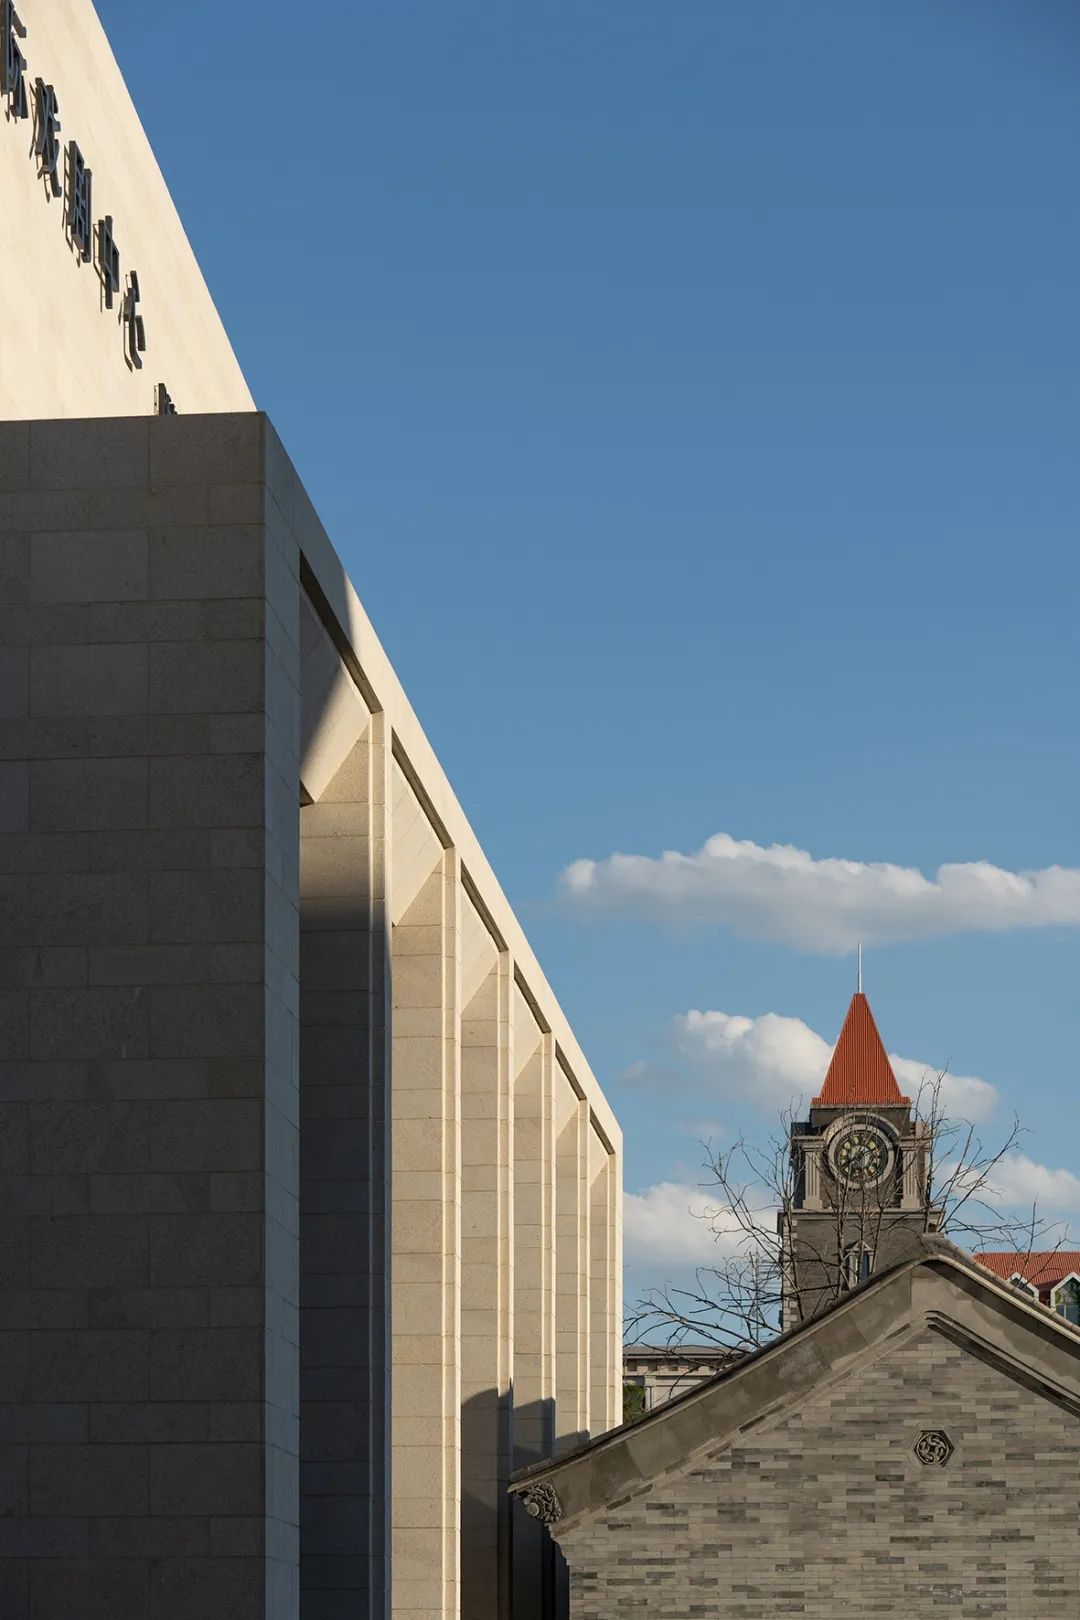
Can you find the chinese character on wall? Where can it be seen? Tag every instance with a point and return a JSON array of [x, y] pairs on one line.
[[78, 202], [47, 145], [108, 260], [65, 173], [12, 61], [134, 330]]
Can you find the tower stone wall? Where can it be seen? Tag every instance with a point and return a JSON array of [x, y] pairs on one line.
[[860, 1196]]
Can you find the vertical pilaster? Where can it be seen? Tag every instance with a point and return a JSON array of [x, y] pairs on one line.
[[486, 1298], [914, 1152], [534, 1301], [572, 1278], [344, 1164], [380, 1005], [812, 1174], [605, 1333], [615, 1171], [426, 1249]]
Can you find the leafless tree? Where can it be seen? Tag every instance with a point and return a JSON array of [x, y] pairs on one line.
[[761, 1280]]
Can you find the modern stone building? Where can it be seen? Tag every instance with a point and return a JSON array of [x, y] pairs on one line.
[[311, 1203], [911, 1451], [657, 1373]]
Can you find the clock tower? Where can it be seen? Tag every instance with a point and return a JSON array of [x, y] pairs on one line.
[[858, 1196]]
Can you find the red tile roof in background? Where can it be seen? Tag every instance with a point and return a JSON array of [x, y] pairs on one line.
[[1041, 1267], [860, 1071]]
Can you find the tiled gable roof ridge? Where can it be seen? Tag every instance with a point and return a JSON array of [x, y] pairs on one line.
[[1039, 1267], [934, 1248]]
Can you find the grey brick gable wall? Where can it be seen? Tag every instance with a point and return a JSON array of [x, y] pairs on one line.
[[831, 1515]]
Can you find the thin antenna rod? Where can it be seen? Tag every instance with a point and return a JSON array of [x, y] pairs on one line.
[[859, 980]]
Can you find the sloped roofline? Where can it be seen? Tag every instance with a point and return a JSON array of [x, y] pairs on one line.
[[624, 1461], [859, 1073], [1043, 1268]]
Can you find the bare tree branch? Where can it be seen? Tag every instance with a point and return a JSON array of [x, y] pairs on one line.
[[761, 1274]]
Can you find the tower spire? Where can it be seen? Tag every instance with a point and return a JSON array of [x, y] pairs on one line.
[[859, 1072], [858, 980]]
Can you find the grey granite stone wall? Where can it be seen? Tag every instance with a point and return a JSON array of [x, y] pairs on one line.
[[163, 1452], [832, 1514], [148, 1024]]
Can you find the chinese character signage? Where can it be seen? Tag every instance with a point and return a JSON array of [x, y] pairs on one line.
[[78, 202], [47, 145], [135, 331], [12, 61], [66, 173], [108, 260]]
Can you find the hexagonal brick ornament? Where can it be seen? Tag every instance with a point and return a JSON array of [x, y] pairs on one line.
[[934, 1448]]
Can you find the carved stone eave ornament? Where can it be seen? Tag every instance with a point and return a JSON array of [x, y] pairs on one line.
[[540, 1502]]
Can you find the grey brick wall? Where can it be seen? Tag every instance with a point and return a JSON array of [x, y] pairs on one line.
[[148, 1024], [831, 1514]]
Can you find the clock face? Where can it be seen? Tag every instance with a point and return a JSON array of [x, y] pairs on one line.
[[860, 1156]]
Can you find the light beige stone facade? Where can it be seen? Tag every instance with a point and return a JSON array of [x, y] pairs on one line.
[[505, 1214], [310, 1201], [62, 351]]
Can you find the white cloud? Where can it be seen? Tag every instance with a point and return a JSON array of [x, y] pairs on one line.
[[768, 1060], [772, 1061], [1020, 1182], [644, 1073], [674, 1222], [784, 894], [963, 1096]]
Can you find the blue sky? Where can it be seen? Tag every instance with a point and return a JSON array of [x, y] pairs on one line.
[[691, 391]]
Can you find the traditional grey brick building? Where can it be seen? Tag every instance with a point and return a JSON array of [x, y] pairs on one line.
[[909, 1447], [911, 1451]]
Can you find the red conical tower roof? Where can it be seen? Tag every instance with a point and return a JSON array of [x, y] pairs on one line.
[[860, 1072]]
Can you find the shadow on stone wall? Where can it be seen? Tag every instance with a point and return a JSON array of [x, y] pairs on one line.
[[534, 1580]]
